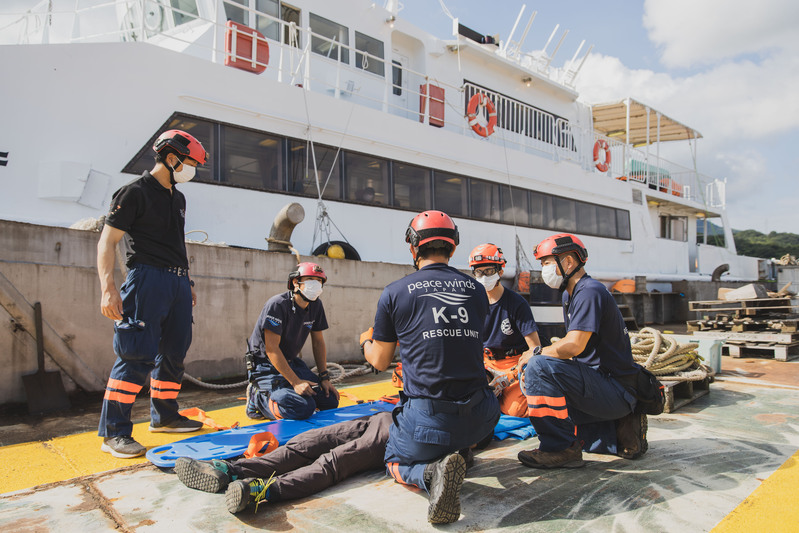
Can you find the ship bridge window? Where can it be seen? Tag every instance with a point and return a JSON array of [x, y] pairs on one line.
[[302, 179], [484, 199], [251, 159], [327, 35], [367, 179], [372, 47], [450, 195], [411, 187]]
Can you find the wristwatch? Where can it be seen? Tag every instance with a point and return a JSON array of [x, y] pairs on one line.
[[537, 350]]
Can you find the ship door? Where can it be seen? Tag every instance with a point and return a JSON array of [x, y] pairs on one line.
[[399, 84]]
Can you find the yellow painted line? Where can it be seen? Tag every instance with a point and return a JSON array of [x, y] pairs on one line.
[[35, 463], [771, 507]]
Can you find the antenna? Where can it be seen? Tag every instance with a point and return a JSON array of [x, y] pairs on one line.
[[518, 45], [573, 75], [544, 50], [555, 51], [513, 30]]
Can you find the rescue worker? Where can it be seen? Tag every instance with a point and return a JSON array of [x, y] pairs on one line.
[[281, 384], [153, 314], [510, 334], [575, 399], [437, 315], [306, 464]]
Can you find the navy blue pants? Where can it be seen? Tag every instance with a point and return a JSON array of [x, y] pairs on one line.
[[568, 400], [272, 396], [152, 338], [425, 431]]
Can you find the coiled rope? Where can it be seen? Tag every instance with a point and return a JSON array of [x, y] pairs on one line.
[[666, 358], [337, 373]]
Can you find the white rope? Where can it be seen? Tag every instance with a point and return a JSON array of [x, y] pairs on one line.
[[666, 358]]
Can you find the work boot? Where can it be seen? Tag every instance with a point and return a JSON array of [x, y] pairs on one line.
[[252, 411], [240, 493], [181, 425], [571, 457], [631, 436], [122, 446], [444, 479], [468, 457], [208, 476]]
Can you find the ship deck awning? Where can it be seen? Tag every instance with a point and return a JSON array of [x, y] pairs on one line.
[[611, 120]]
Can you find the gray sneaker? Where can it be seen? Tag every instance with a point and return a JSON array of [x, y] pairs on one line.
[[208, 476], [181, 425], [122, 446]]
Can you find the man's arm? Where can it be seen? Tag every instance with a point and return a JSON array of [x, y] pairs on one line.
[[278, 360], [320, 356], [571, 345], [110, 300], [533, 341], [379, 354]]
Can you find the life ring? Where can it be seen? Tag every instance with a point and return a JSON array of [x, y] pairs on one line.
[[602, 144], [477, 101]]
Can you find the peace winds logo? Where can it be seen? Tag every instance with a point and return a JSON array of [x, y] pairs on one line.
[[448, 298]]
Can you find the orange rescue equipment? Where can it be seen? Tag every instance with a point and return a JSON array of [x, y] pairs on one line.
[[602, 144], [245, 48], [477, 101]]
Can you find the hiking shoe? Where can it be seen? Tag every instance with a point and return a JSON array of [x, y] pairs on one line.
[[122, 446], [446, 478], [181, 425], [208, 476], [631, 436], [468, 457], [240, 493], [571, 457], [252, 411]]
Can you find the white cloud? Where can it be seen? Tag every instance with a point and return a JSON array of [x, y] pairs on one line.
[[696, 32]]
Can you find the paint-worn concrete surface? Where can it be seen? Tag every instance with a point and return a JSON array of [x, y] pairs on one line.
[[703, 461]]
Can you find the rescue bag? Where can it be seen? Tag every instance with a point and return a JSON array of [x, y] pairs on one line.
[[647, 389]]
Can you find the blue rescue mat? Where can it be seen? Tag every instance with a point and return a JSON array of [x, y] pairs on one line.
[[233, 442]]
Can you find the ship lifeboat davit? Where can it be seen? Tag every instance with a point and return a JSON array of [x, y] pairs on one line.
[[245, 48], [476, 102]]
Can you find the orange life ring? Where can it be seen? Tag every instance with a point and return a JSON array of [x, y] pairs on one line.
[[602, 144], [477, 101]]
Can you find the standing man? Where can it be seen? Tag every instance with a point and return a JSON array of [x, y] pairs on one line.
[[574, 396], [437, 315], [510, 334], [281, 384], [153, 316]]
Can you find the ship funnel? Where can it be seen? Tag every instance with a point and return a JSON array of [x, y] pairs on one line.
[[280, 235]]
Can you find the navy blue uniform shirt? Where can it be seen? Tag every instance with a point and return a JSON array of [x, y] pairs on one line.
[[437, 315], [509, 320], [592, 308], [282, 316], [154, 218]]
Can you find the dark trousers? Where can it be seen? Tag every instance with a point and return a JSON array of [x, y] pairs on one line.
[[152, 338], [568, 401], [272, 396], [321, 457]]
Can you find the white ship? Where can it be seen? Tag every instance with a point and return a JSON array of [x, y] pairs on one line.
[[359, 116]]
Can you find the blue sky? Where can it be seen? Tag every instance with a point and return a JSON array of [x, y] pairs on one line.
[[727, 68]]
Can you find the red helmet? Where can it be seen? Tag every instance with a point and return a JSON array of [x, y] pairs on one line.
[[487, 254], [431, 226], [560, 244], [183, 143], [307, 269]]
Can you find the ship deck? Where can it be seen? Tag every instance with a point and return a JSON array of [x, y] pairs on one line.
[[725, 462]]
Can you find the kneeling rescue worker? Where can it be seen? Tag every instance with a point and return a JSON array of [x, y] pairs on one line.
[[437, 315], [574, 396], [510, 334]]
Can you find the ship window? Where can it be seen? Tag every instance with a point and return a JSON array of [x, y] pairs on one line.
[[622, 224], [515, 206], [291, 14], [327, 37], [450, 193], [586, 218], [367, 179], [373, 47], [484, 200], [396, 77], [564, 214], [269, 27], [301, 170], [411, 187], [184, 11], [541, 211], [251, 159], [606, 221], [235, 13], [674, 228]]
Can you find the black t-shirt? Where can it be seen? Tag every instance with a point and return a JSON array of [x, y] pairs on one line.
[[154, 218], [282, 316]]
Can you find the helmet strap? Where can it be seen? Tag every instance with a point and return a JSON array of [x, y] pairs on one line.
[[172, 169], [567, 277]]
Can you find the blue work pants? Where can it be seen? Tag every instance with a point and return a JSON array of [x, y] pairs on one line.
[[272, 396]]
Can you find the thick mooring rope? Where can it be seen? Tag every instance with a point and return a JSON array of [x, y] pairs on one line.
[[666, 358]]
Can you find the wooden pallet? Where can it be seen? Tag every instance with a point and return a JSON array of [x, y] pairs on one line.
[[780, 352], [679, 393], [751, 307]]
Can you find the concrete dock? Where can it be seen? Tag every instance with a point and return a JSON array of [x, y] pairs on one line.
[[727, 461]]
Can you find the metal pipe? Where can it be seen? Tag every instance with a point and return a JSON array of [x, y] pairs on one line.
[[280, 234]]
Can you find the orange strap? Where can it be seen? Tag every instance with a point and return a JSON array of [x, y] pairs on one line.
[[205, 419], [257, 443], [350, 396]]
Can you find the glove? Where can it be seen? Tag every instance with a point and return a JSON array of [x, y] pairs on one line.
[[365, 337], [499, 384]]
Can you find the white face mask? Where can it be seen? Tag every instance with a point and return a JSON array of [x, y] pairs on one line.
[[311, 289], [551, 277], [186, 173], [489, 282]]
